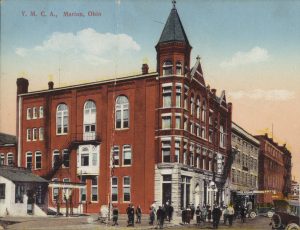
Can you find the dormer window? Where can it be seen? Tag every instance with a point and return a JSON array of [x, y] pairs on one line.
[[178, 68], [167, 68]]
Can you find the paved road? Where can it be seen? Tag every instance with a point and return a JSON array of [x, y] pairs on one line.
[[90, 222]]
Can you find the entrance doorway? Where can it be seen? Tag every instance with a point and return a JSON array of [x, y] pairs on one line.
[[167, 189]]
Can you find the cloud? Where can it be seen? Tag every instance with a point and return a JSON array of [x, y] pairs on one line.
[[88, 44], [268, 95], [21, 52], [255, 55]]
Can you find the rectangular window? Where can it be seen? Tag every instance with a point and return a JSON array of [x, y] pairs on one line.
[[55, 190], [10, 159], [210, 165], [34, 113], [126, 155], [19, 193], [166, 151], [56, 159], [114, 189], [2, 191], [178, 96], [38, 160], [41, 112], [166, 122], [177, 151], [115, 155], [126, 189], [185, 124], [167, 96], [66, 158], [95, 188], [185, 97], [192, 104], [204, 163], [2, 159], [185, 153], [198, 162], [85, 159], [83, 190], [192, 128], [65, 180], [28, 134], [178, 122], [233, 175], [29, 160], [210, 136], [41, 134], [34, 134], [28, 113]]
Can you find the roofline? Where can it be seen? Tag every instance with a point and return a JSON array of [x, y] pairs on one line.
[[248, 135], [92, 83]]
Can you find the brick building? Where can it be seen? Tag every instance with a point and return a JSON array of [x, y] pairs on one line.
[[244, 171], [150, 137], [274, 170], [8, 150]]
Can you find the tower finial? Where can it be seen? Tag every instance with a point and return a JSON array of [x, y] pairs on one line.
[[198, 57], [174, 4]]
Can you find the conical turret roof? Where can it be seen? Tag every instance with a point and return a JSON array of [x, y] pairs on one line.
[[173, 30]]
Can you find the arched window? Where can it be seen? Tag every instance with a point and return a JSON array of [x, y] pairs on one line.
[[122, 112], [178, 68], [167, 68], [62, 116], [89, 120], [10, 159]]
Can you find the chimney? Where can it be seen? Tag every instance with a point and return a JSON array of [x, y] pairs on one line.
[[50, 85], [214, 91], [145, 69], [22, 85]]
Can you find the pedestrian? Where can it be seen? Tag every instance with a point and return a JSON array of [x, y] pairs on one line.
[[138, 213], [115, 215], [204, 213], [128, 214], [183, 216], [225, 214], [243, 214], [151, 216], [208, 213], [160, 217], [192, 211], [167, 210], [188, 214], [198, 215], [216, 215], [230, 210], [171, 210]]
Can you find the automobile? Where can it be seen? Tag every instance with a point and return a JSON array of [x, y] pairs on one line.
[[286, 215]]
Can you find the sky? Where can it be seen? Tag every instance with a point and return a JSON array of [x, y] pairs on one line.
[[249, 48]]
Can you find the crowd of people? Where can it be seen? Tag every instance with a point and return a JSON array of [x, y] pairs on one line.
[[205, 214]]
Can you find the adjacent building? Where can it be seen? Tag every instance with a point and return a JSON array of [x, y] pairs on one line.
[[274, 170], [153, 137], [244, 171], [8, 150]]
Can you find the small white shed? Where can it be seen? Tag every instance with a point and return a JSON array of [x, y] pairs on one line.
[[22, 193]]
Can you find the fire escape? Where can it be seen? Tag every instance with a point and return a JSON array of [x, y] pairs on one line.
[[228, 164], [72, 142]]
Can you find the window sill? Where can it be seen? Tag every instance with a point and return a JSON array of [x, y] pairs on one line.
[[121, 129], [61, 134], [126, 166]]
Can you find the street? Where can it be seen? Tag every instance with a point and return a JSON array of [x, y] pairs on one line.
[[91, 222]]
